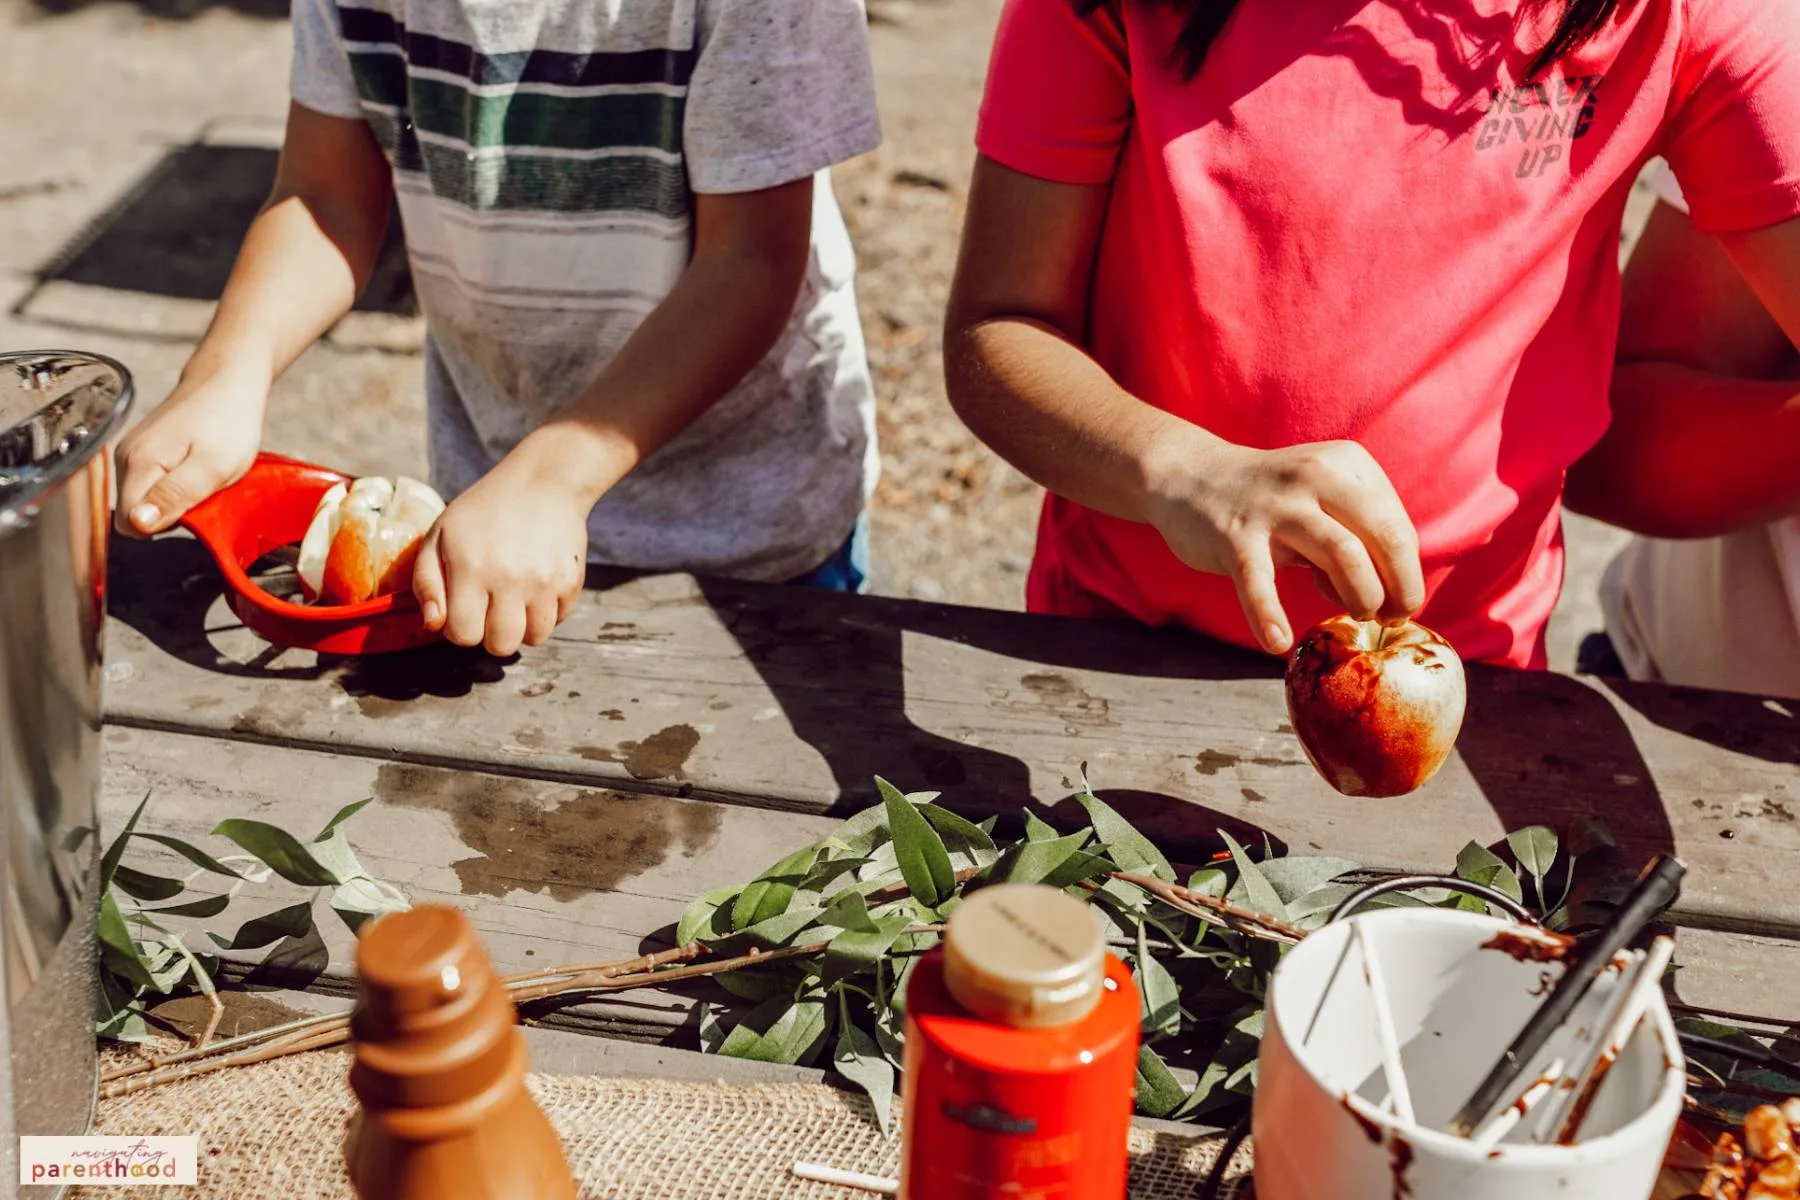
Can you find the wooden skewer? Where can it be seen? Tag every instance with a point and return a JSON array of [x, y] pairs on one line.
[[1398, 1093], [1489, 1136], [818, 1173]]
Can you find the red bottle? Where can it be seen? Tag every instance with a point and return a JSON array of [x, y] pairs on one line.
[[1021, 1055], [440, 1072]]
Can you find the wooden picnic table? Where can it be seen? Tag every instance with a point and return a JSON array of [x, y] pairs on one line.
[[679, 734]]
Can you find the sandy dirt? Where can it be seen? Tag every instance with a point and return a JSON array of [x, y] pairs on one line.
[[95, 97]]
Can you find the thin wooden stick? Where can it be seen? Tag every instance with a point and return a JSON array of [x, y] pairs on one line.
[[819, 1173], [323, 1032], [1211, 908]]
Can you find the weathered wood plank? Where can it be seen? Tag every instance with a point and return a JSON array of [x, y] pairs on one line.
[[790, 699], [554, 874], [551, 874]]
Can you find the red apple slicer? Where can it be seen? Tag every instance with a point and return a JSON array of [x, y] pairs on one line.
[[268, 509]]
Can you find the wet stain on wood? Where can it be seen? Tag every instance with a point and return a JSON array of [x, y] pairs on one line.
[[593, 841], [532, 691], [1253, 796], [611, 714], [245, 1012], [662, 755], [1211, 762], [1058, 694], [625, 631]]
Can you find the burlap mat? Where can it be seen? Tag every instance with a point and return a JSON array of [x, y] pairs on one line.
[[276, 1130]]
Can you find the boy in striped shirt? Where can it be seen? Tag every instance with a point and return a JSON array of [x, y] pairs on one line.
[[642, 341]]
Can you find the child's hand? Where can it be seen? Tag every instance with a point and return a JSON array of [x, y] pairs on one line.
[[203, 438], [1243, 513], [505, 563]]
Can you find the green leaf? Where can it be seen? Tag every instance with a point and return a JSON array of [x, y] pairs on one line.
[[118, 951], [849, 910], [212, 906], [969, 846], [277, 849], [192, 853], [706, 918], [343, 814], [830, 868], [858, 950], [293, 921], [988, 825], [141, 886], [766, 935], [1293, 878], [1590, 834], [358, 901], [772, 891], [861, 834], [1209, 881], [1535, 849], [1161, 1000], [1060, 863], [109, 862], [1037, 829], [1127, 847], [860, 1060], [1310, 911], [1159, 1093], [1253, 890], [1478, 864], [782, 1030], [924, 863]]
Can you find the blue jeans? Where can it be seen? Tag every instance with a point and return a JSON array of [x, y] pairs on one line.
[[847, 570]]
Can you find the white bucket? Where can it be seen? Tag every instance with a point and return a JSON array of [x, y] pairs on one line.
[[1460, 988]]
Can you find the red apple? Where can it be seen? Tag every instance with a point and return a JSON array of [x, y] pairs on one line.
[[1376, 706]]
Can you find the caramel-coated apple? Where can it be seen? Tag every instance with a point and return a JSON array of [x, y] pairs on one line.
[[1377, 707]]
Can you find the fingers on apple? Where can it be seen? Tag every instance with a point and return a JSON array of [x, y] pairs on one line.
[[1337, 551], [1253, 571], [1374, 514], [428, 583]]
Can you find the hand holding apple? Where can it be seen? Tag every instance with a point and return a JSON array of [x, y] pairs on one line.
[[1377, 707]]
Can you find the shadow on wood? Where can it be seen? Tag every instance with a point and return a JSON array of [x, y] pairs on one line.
[[1744, 724]]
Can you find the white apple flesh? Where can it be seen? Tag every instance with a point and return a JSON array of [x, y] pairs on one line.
[[1376, 707], [364, 539]]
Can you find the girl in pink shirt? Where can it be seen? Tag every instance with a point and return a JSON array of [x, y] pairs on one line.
[[1251, 284]]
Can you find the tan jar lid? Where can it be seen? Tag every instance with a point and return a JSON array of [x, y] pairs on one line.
[[1025, 955]]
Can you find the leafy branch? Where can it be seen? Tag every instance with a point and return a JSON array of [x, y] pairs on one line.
[[143, 960], [1202, 950]]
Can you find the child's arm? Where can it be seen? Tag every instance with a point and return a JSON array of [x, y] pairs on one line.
[[1704, 433], [1018, 376], [304, 262], [512, 549]]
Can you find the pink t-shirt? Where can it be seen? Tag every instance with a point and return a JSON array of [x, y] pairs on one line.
[[1358, 223]]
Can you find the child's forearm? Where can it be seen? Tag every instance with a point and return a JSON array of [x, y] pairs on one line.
[[1045, 406], [308, 253], [1692, 454], [721, 318]]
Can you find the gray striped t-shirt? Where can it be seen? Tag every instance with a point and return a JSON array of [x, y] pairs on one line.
[[546, 154]]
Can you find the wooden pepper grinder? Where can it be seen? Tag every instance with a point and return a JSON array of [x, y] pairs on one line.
[[440, 1073]]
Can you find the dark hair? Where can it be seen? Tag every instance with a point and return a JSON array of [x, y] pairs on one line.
[[1581, 20]]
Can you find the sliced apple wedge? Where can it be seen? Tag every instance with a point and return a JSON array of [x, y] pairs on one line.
[[364, 539]]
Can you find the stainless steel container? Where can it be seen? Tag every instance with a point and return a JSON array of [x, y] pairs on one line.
[[57, 412]]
